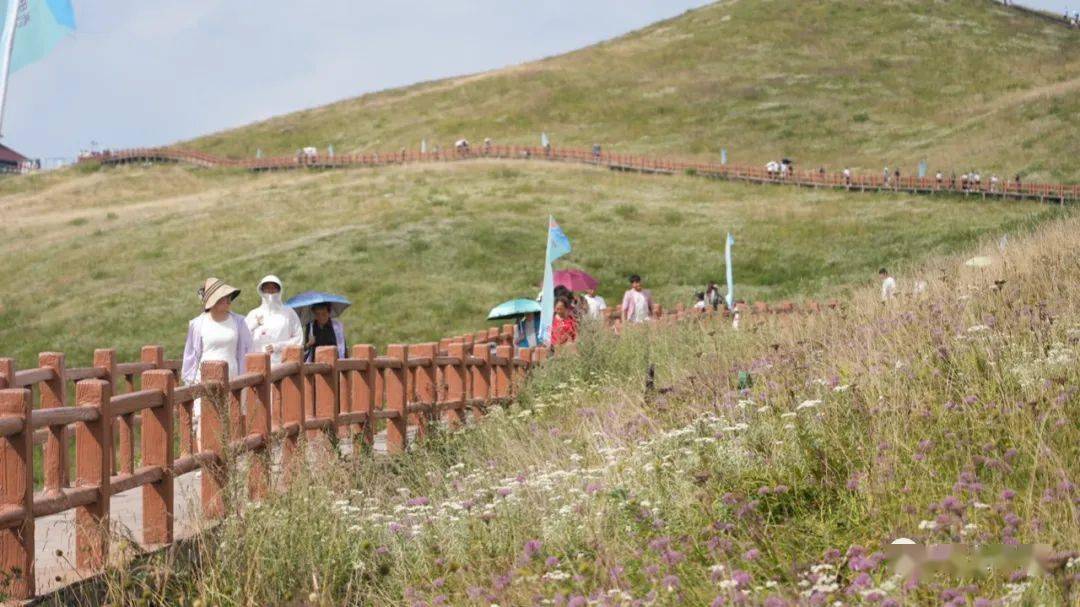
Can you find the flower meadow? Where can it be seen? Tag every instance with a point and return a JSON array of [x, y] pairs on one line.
[[950, 417]]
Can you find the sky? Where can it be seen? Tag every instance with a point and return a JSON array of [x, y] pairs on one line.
[[144, 73]]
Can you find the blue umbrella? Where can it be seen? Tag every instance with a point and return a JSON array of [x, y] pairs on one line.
[[302, 304], [514, 308]]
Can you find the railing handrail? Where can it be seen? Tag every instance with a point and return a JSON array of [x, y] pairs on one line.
[[756, 174]]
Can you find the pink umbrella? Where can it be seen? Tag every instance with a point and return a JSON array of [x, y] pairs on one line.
[[575, 280]]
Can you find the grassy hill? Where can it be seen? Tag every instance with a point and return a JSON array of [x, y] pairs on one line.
[[948, 419], [964, 84], [113, 258]]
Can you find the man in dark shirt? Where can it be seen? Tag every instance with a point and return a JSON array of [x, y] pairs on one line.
[[324, 331]]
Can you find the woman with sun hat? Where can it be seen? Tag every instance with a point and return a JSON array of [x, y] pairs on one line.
[[217, 334]]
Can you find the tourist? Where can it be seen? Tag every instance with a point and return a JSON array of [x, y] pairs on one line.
[[897, 174], [637, 302], [527, 330], [563, 325], [847, 177], [712, 296], [964, 182], [939, 178], [596, 306], [976, 181], [888, 285], [596, 152], [700, 304], [885, 175], [324, 331], [217, 334], [273, 325], [993, 182]]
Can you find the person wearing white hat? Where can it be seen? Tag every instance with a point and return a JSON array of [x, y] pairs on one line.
[[273, 325], [218, 334]]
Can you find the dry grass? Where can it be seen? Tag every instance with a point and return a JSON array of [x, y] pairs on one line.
[[945, 418]]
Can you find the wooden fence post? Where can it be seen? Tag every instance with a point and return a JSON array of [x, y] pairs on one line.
[[524, 355], [455, 385], [503, 370], [17, 491], [7, 372], [211, 428], [325, 388], [424, 386], [258, 423], [396, 427], [292, 405], [93, 465], [157, 441], [481, 378], [54, 394], [363, 396], [105, 362]]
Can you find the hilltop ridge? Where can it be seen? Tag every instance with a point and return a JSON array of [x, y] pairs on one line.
[[967, 84]]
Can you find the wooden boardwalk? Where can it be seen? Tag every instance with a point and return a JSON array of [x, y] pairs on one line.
[[1003, 189]]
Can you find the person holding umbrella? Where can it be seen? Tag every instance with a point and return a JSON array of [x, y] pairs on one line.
[[318, 312], [324, 331], [526, 314]]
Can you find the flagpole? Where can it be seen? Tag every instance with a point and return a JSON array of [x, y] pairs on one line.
[[10, 21]]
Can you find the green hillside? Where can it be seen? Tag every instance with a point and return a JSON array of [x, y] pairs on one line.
[[964, 84], [113, 258]]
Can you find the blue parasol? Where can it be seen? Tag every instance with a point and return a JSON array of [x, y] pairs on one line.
[[303, 302], [514, 308]]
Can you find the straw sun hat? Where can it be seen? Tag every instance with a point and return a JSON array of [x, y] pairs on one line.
[[213, 290]]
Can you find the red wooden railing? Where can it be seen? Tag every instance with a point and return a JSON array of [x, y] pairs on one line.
[[408, 386], [877, 183]]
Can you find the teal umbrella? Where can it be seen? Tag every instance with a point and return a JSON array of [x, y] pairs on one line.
[[514, 308]]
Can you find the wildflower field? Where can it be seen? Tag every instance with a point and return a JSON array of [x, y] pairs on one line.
[[948, 417]]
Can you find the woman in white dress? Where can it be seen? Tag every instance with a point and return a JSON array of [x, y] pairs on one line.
[[217, 334]]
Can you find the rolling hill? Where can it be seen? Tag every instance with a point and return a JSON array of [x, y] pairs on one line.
[[112, 256], [965, 84]]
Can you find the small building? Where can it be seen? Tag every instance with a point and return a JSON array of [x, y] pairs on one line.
[[12, 161]]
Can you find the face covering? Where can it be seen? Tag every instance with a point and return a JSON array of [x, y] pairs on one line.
[[271, 300]]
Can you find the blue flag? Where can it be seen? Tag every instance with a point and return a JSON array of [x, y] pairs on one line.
[[723, 155], [39, 26], [730, 275], [557, 246]]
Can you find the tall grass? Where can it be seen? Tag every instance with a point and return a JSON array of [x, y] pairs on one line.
[[944, 417]]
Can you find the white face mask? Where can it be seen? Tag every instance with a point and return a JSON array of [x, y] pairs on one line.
[[272, 300]]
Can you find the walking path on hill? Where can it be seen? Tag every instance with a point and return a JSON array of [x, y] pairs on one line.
[[1005, 188]]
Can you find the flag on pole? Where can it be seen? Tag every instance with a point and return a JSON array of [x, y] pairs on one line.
[[723, 155], [557, 246], [922, 169], [39, 26], [32, 28], [730, 275]]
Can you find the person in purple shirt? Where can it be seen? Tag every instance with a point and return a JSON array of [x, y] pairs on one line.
[[217, 334]]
